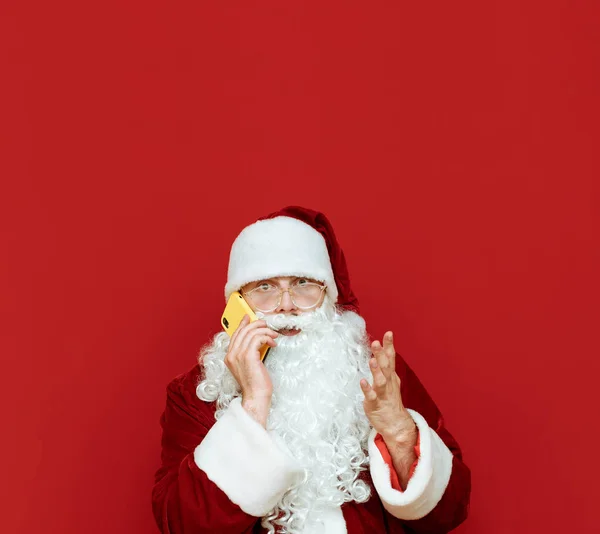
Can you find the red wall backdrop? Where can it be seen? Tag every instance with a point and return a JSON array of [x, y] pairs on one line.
[[452, 144]]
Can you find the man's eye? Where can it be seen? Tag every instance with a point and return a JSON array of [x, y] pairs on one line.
[[265, 287], [301, 281]]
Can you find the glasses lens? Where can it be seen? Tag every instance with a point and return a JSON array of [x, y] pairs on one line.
[[306, 294], [265, 297]]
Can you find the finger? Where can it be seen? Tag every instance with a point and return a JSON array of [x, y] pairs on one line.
[[249, 350], [261, 331], [381, 357], [247, 328], [388, 346], [369, 393], [248, 343], [379, 379], [257, 342], [246, 323], [399, 383]]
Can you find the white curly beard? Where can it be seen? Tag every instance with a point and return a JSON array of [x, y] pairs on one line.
[[316, 410]]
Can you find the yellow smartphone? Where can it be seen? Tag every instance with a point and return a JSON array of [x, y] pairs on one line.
[[233, 314]]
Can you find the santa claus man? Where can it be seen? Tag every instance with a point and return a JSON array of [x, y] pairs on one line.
[[330, 434]]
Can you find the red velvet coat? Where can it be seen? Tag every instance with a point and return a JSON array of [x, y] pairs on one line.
[[186, 501]]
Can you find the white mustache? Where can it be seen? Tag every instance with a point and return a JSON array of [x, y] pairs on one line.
[[305, 321]]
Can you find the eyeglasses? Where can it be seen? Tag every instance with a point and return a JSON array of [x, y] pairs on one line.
[[266, 297]]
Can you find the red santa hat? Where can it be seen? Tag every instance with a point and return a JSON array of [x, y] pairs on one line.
[[293, 241]]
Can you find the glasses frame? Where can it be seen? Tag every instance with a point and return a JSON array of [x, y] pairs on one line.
[[281, 292]]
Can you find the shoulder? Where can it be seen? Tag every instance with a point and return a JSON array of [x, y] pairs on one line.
[[181, 394], [186, 381]]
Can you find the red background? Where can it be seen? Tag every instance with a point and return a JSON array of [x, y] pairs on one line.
[[454, 147]]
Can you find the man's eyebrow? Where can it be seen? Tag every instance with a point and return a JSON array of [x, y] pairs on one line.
[[263, 280], [273, 279]]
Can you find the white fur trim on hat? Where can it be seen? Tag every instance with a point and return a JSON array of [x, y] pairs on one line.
[[282, 246]]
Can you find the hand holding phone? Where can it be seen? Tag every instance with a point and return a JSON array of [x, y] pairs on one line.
[[250, 342], [233, 314]]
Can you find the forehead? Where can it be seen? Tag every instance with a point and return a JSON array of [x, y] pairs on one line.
[[278, 279]]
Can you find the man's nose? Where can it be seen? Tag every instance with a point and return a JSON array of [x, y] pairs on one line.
[[286, 304]]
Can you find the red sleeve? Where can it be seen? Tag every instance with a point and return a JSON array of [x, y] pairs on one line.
[[387, 458], [453, 507], [184, 500]]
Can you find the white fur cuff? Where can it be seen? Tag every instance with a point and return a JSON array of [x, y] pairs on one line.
[[244, 461], [428, 482]]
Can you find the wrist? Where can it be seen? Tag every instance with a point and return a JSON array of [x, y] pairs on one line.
[[403, 436], [257, 408], [257, 398]]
